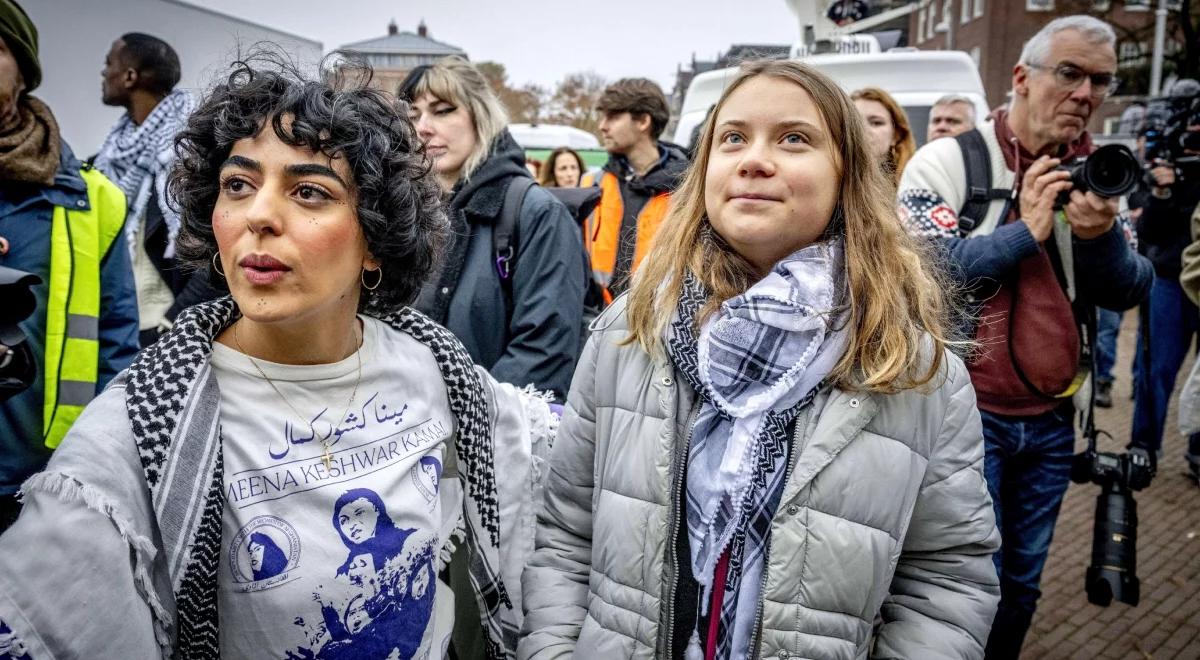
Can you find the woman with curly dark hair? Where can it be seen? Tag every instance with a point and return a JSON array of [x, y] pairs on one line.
[[311, 389]]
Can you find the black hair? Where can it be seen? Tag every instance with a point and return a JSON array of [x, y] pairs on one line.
[[397, 197], [155, 61]]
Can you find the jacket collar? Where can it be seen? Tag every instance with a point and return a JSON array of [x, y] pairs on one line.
[[481, 197], [69, 190], [842, 415], [664, 176]]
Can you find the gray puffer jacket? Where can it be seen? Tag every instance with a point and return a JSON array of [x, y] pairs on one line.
[[882, 545]]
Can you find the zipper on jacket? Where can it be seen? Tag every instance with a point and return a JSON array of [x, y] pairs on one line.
[[794, 453], [673, 535]]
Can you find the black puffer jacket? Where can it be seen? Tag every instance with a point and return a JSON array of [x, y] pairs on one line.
[[538, 339]]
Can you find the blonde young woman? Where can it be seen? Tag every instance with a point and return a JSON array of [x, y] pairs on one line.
[[517, 310], [888, 133], [767, 446]]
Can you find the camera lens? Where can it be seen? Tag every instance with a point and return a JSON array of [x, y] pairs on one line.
[[1111, 171], [1113, 572]]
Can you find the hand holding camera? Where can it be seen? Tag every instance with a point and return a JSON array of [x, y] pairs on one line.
[[1087, 191], [1041, 186], [1162, 175], [1090, 215]]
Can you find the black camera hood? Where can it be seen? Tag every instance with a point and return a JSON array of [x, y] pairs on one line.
[[16, 298]]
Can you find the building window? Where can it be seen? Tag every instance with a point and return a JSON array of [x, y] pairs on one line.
[[1039, 5], [1101, 5], [929, 29], [921, 25], [1137, 5], [978, 8], [965, 13], [1132, 54]]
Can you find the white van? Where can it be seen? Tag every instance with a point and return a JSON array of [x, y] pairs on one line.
[[552, 136], [915, 78]]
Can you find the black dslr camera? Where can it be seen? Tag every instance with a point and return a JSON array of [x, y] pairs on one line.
[[1110, 171], [1167, 136], [1113, 571], [17, 365]]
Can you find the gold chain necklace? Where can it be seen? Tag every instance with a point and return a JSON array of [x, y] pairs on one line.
[[326, 457]]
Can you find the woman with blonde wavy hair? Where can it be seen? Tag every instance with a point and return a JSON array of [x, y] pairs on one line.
[[768, 445], [890, 136], [511, 282]]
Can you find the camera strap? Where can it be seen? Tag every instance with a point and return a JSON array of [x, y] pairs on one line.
[[1087, 416]]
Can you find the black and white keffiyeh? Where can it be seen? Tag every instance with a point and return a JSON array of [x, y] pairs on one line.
[[756, 364], [172, 402], [138, 158]]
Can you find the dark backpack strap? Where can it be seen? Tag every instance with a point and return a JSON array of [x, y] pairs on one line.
[[505, 235], [980, 193]]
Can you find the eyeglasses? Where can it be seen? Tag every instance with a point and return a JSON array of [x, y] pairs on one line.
[[1071, 77]]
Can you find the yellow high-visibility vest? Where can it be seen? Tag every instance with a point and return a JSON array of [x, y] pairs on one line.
[[79, 238]]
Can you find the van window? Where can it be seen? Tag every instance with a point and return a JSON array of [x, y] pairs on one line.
[[918, 121]]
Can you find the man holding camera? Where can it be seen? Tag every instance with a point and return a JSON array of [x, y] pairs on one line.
[[1170, 320], [1034, 256], [62, 222]]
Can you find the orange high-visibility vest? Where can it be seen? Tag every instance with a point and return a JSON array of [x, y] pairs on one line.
[[604, 228]]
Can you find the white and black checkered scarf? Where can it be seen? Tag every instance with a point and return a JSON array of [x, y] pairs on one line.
[[755, 364], [138, 158], [173, 405]]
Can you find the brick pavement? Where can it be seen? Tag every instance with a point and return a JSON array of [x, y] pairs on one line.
[[1166, 623]]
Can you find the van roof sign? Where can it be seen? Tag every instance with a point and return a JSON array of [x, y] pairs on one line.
[[850, 44]]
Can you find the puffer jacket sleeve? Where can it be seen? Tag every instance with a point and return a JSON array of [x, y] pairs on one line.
[[555, 583], [945, 592]]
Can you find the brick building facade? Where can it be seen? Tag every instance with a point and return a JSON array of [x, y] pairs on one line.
[[994, 31]]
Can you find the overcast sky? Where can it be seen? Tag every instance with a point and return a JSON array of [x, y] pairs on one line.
[[542, 40]]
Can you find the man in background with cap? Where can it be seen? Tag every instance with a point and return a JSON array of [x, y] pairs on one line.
[[63, 222]]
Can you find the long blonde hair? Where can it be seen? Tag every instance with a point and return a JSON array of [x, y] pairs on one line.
[[903, 144], [898, 317], [456, 81]]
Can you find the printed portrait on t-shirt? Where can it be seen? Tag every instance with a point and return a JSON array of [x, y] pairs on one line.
[[391, 576], [426, 475], [263, 552], [266, 559]]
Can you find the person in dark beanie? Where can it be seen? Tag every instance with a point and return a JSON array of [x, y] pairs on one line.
[[61, 221]]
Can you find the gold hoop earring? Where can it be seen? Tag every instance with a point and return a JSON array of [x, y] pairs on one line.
[[216, 264], [379, 280]]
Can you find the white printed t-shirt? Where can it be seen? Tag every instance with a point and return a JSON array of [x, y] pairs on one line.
[[336, 562]]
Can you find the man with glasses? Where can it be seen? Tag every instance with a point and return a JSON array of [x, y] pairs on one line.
[[1030, 271]]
